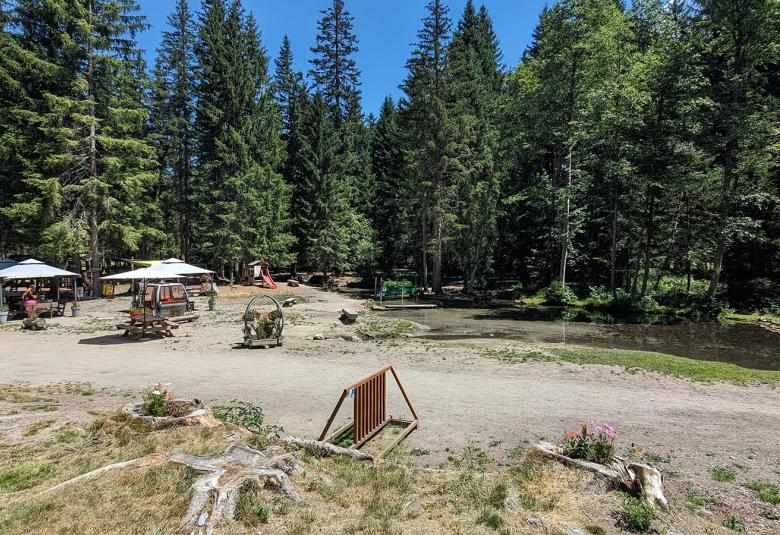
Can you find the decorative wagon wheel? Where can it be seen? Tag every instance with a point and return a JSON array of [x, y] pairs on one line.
[[263, 319]]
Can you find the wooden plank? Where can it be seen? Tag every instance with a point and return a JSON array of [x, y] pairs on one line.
[[408, 403], [411, 427], [340, 431], [333, 415], [371, 435]]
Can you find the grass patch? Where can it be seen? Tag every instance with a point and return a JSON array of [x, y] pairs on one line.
[[734, 524], [250, 509], [723, 474], [379, 327], [36, 427], [697, 370], [23, 476], [696, 499], [766, 492], [490, 519]]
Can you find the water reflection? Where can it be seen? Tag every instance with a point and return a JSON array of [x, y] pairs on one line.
[[742, 344]]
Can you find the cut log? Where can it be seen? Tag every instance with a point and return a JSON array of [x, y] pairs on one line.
[[289, 302], [326, 448], [639, 478], [293, 283], [348, 315]]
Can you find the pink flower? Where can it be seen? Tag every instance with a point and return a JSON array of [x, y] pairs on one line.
[[607, 429]]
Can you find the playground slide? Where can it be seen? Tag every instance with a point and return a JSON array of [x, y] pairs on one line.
[[268, 280]]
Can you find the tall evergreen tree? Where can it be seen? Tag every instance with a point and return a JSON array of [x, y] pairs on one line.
[[390, 212], [473, 85], [173, 118], [334, 71], [96, 164], [425, 119], [739, 50], [242, 196]]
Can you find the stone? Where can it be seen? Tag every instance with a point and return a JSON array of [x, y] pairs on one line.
[[319, 336], [292, 282]]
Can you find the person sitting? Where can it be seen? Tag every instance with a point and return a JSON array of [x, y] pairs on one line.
[[28, 297]]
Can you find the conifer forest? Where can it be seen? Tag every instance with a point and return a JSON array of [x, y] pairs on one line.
[[631, 154]]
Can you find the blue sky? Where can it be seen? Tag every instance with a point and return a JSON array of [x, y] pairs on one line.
[[385, 29]]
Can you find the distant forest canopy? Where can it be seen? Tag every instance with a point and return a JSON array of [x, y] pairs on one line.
[[634, 146]]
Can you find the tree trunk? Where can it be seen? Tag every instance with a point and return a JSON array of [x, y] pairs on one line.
[[613, 251], [436, 275], [94, 245], [567, 210], [424, 256], [648, 241]]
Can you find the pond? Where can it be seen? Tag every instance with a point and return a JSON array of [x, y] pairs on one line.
[[743, 344]]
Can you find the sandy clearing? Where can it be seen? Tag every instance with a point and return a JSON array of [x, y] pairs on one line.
[[460, 395]]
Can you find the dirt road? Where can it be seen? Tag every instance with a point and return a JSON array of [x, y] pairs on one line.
[[459, 393]]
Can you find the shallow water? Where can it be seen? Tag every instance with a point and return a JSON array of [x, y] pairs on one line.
[[738, 343]]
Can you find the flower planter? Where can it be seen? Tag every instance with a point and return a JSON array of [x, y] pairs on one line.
[[4, 317], [212, 305], [75, 312]]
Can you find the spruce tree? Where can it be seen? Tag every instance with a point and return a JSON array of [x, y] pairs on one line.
[[426, 120], [173, 115], [334, 71], [473, 84], [392, 192], [242, 196]]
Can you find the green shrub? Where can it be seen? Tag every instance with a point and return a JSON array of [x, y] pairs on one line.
[[497, 495], [558, 294], [637, 514], [720, 473], [490, 519], [733, 524]]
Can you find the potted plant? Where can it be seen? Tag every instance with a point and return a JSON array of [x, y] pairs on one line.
[[3, 314], [212, 302], [75, 309], [136, 311]]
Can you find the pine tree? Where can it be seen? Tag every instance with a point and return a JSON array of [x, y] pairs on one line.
[[173, 119], [390, 213], [473, 84], [242, 196], [93, 166], [288, 83], [334, 71], [426, 120]]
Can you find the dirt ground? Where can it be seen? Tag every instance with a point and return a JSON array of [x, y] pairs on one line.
[[462, 397]]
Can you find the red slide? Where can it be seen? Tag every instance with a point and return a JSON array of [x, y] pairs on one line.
[[268, 280]]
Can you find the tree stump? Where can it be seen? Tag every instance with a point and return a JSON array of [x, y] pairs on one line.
[[182, 412], [634, 477]]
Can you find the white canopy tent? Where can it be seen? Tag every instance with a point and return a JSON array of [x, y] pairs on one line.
[[180, 267], [141, 274], [35, 269]]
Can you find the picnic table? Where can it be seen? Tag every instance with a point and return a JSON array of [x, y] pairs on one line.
[[147, 324], [39, 308]]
